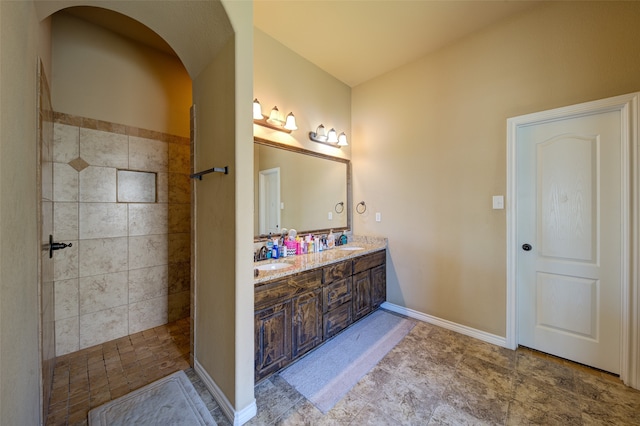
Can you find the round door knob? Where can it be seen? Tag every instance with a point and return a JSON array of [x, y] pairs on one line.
[[526, 247]]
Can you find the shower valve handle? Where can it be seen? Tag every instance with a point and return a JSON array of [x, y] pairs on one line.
[[56, 246]]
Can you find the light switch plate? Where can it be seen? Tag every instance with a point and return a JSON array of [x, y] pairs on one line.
[[498, 202], [330, 216], [378, 217]]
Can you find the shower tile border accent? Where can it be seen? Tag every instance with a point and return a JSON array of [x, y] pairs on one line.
[[90, 123], [79, 164]]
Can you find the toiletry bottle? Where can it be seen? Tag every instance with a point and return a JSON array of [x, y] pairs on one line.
[[269, 247], [285, 249], [331, 240], [274, 250]]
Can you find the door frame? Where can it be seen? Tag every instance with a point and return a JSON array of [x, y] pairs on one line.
[[262, 200], [630, 188]]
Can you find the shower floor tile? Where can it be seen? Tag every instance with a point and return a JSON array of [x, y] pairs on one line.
[[88, 378]]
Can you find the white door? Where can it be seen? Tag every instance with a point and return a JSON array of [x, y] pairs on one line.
[[269, 196], [569, 214]]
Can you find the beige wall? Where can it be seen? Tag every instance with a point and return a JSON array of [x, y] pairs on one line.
[[241, 16], [429, 146], [223, 213], [101, 75], [214, 207], [293, 84], [19, 355]]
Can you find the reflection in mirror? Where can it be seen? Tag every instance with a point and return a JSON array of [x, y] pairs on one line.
[[299, 189]]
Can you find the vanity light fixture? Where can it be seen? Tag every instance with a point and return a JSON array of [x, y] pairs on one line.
[[331, 138], [274, 121]]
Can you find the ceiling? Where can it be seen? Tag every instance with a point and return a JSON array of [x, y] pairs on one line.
[[120, 24], [353, 40], [357, 40]]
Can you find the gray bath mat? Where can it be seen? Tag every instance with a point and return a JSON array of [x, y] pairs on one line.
[[171, 400], [328, 373]]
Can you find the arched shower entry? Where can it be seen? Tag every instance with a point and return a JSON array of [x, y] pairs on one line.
[[201, 35]]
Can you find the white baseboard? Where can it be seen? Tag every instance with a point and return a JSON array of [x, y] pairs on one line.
[[237, 418], [449, 325]]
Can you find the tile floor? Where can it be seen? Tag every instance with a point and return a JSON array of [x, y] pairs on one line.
[[90, 377], [438, 377], [432, 377]]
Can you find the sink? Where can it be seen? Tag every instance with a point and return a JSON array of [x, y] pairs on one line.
[[350, 248], [274, 266]]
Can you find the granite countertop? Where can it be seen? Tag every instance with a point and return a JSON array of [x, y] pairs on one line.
[[305, 262]]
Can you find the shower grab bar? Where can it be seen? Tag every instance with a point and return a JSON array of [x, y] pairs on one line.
[[198, 175]]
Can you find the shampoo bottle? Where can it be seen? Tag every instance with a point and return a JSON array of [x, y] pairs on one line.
[[269, 247]]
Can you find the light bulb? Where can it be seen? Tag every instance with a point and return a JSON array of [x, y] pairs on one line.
[[291, 122], [332, 136], [321, 134], [274, 117], [342, 139], [257, 110]]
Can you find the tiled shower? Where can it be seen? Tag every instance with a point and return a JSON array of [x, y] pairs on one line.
[[122, 199]]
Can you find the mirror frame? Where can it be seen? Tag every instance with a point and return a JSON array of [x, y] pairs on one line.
[[295, 149]]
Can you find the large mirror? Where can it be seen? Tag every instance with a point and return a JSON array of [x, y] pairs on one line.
[[299, 189]]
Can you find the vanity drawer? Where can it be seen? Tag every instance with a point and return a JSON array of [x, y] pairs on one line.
[[369, 261], [336, 293], [337, 320], [336, 271], [274, 291]]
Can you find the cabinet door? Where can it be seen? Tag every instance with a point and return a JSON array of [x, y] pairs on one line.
[[337, 271], [307, 322], [378, 285], [337, 320], [273, 339], [336, 293], [361, 297]]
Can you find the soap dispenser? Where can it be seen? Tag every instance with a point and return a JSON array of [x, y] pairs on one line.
[[331, 240]]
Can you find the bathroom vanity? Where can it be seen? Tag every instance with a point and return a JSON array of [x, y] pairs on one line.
[[313, 298]]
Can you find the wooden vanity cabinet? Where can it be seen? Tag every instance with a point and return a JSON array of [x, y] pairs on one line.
[[361, 294], [288, 320], [378, 286], [272, 338], [295, 314], [336, 289], [369, 283], [307, 322]]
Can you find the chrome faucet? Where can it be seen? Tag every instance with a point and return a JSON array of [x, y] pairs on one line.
[[261, 254]]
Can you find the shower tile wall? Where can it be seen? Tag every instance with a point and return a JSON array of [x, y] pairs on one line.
[[128, 269]]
